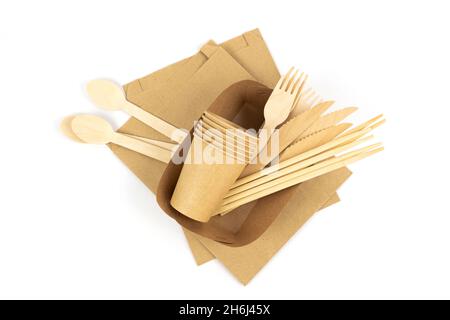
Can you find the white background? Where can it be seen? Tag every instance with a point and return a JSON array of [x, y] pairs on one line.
[[75, 223]]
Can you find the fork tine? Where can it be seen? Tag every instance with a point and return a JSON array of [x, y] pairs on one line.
[[316, 100], [302, 86], [291, 80], [286, 76], [306, 94], [297, 98], [297, 82], [279, 83], [298, 91]]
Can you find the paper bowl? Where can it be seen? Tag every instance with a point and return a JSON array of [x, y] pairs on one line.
[[243, 103]]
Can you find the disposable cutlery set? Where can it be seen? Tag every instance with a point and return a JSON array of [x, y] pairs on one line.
[[227, 177], [220, 177]]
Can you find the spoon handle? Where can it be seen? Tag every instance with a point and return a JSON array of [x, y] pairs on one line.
[[141, 147], [154, 122], [165, 145]]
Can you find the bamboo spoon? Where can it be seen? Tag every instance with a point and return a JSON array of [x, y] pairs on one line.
[[299, 177], [96, 130], [66, 128], [165, 145], [110, 96]]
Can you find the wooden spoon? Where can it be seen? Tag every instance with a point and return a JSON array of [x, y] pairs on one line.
[[96, 130], [110, 96], [66, 128]]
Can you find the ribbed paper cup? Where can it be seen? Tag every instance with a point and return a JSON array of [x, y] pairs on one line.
[[203, 183]]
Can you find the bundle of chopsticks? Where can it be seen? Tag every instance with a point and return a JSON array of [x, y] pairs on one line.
[[307, 165]]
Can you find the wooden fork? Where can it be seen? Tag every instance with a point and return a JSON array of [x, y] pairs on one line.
[[283, 98], [307, 99]]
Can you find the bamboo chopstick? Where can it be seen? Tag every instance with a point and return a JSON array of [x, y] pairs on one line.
[[309, 173], [303, 156], [295, 167]]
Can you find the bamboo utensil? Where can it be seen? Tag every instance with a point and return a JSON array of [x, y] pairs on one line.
[[301, 176], [288, 133], [227, 142], [329, 120], [165, 145], [225, 148], [368, 124], [225, 123], [232, 135], [110, 96], [96, 130], [308, 98], [292, 168], [66, 128], [227, 129], [316, 161], [282, 100], [314, 140], [303, 156]]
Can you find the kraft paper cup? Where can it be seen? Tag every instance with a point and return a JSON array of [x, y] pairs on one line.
[[203, 183]]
